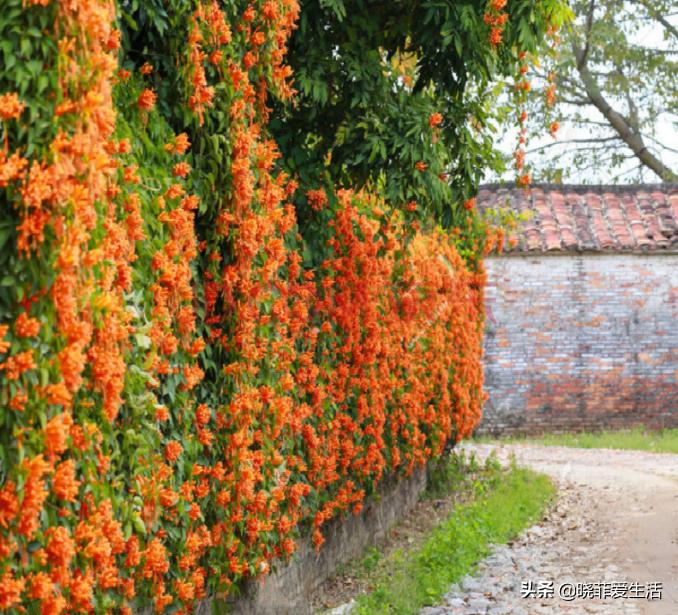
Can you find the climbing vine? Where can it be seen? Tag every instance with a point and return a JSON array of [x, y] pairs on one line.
[[185, 385]]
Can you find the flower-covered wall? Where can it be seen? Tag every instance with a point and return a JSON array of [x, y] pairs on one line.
[[184, 387]]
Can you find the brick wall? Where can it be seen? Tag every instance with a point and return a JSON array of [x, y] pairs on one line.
[[581, 341]]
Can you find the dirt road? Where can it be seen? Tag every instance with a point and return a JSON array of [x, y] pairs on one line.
[[615, 524]]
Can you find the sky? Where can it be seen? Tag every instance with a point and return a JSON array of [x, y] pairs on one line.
[[666, 128]]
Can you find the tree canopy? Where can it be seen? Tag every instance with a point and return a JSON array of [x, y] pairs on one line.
[[399, 94], [615, 72]]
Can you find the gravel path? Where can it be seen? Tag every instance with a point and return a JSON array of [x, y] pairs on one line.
[[615, 523]]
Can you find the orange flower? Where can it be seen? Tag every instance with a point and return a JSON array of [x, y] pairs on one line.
[[174, 191], [258, 39], [146, 68], [194, 512], [181, 169], [435, 119], [58, 395], [4, 346], [180, 145], [146, 100], [18, 364], [64, 484], [197, 346], [130, 174], [10, 107], [318, 539], [161, 413], [202, 414], [317, 199], [185, 590], [11, 168], [190, 202], [205, 436], [25, 326], [420, 166], [40, 586], [9, 504], [519, 155], [34, 494], [495, 36], [56, 433], [113, 42], [53, 605], [288, 546], [19, 401], [156, 559], [133, 553], [10, 591], [68, 106], [80, 591], [172, 451], [60, 546]]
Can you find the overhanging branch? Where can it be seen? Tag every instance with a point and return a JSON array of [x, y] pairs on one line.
[[633, 139]]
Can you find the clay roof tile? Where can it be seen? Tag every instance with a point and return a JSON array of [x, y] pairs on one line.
[[572, 218]]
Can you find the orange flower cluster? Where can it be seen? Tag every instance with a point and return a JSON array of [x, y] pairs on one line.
[[496, 18], [147, 98], [554, 40], [183, 387], [10, 106], [522, 86]]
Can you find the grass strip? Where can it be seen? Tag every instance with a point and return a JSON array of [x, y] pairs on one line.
[[511, 500], [663, 441]]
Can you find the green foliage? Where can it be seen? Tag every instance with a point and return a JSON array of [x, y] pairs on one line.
[[629, 49], [369, 77], [639, 439], [506, 502], [449, 474], [27, 66]]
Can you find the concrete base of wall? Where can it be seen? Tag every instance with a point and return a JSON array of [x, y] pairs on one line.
[[289, 589]]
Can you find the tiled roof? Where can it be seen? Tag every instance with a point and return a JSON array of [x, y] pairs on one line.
[[589, 218]]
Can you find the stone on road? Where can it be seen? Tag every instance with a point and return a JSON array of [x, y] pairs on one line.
[[614, 523]]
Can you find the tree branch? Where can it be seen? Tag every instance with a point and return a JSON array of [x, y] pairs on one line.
[[581, 61], [631, 170], [660, 144], [569, 141], [633, 139], [655, 14], [578, 103]]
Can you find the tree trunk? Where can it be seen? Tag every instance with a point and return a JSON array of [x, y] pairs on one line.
[[631, 137]]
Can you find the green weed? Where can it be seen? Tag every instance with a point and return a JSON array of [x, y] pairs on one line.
[[504, 502], [663, 441]]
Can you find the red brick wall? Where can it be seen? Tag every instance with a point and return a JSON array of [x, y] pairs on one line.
[[581, 341]]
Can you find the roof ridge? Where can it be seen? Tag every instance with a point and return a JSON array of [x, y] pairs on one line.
[[670, 186]]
